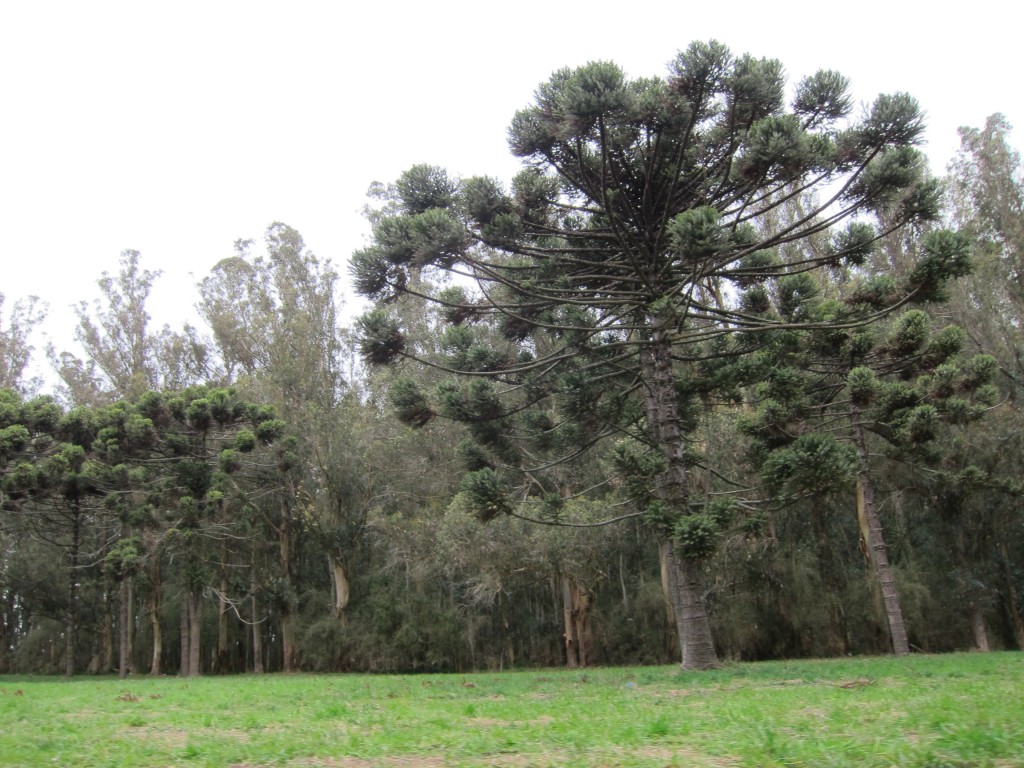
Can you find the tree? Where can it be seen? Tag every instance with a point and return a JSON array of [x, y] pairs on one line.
[[274, 318], [125, 358], [15, 347], [846, 385], [986, 181], [613, 265]]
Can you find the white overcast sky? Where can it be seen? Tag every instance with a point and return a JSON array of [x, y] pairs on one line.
[[176, 128]]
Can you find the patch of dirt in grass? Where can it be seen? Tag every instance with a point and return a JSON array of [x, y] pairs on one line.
[[172, 738], [493, 722], [176, 738], [687, 757]]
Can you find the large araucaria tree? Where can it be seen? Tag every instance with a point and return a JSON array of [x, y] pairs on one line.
[[604, 294]]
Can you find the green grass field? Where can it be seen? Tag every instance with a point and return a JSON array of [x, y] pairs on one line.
[[926, 711]]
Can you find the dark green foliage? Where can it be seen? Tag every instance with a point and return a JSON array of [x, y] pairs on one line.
[[813, 463], [381, 341], [487, 495], [946, 256], [409, 403]]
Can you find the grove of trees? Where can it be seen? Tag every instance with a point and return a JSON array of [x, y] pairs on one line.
[[723, 373]]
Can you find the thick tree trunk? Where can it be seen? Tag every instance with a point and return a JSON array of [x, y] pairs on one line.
[[195, 625], [871, 530], [71, 617], [691, 614], [692, 621]]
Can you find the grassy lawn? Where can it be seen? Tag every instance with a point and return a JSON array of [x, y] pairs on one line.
[[927, 711]]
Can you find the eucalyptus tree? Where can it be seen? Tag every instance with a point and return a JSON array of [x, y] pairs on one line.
[[986, 182], [15, 342], [124, 356], [274, 316], [613, 261]]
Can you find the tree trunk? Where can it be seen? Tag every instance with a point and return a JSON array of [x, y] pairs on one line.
[[5, 623], [691, 614], [257, 623], [692, 621], [980, 630], [341, 588], [223, 661], [568, 631], [257, 638], [123, 630], [183, 634], [671, 625], [288, 645], [871, 530], [154, 614], [195, 609], [107, 640], [581, 621], [71, 617]]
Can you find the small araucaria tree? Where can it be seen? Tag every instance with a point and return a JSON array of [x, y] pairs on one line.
[[613, 267]]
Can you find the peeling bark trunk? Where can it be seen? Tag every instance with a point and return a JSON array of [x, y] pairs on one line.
[[341, 589], [878, 554], [979, 628], [671, 626], [568, 631], [581, 621]]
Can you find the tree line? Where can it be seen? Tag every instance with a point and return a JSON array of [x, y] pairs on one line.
[[716, 376]]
